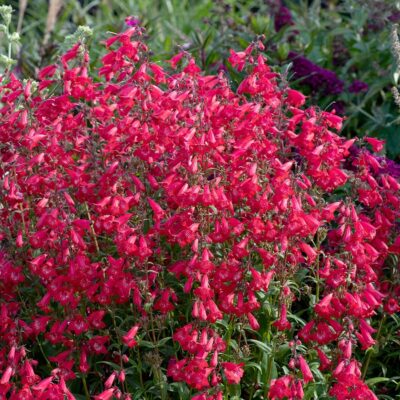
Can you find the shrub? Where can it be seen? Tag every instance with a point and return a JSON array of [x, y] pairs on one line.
[[164, 236]]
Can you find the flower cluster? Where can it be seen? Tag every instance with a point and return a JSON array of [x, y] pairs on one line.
[[381, 165], [283, 17], [358, 86], [154, 199], [319, 80]]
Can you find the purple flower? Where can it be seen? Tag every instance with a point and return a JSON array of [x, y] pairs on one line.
[[319, 80], [132, 21], [283, 18], [222, 67], [358, 86], [340, 53], [394, 17], [389, 167], [339, 106]]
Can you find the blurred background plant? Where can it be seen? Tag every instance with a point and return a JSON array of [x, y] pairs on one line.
[[9, 39], [338, 51]]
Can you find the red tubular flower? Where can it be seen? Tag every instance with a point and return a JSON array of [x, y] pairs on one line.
[[295, 98], [105, 395], [377, 145], [282, 323], [233, 372], [128, 338], [253, 322], [285, 387], [305, 370], [325, 362], [392, 306], [364, 336], [323, 308]]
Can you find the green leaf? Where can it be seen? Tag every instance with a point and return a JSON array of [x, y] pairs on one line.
[[147, 344], [162, 341], [391, 134], [116, 367], [378, 379], [262, 346], [253, 365]]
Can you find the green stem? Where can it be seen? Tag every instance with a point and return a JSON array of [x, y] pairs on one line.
[[229, 335], [368, 360], [37, 340], [317, 288], [44, 354], [85, 387], [96, 243], [139, 361], [119, 342], [253, 387], [269, 370]]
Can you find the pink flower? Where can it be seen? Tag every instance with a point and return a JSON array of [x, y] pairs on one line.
[[285, 387], [233, 372], [295, 98], [282, 323], [132, 21], [128, 338], [377, 145], [305, 370]]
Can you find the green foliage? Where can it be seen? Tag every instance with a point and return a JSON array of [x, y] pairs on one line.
[[353, 39]]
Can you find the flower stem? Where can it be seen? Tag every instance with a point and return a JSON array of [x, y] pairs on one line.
[[85, 388], [269, 370], [92, 228], [368, 360]]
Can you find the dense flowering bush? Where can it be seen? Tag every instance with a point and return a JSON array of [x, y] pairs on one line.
[[163, 236], [338, 43]]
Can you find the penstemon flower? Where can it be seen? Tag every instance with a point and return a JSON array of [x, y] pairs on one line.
[[158, 224]]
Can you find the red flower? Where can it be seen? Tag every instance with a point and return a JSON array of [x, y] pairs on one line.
[[128, 338], [233, 372], [282, 323], [377, 145], [295, 98], [137, 192], [305, 369]]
